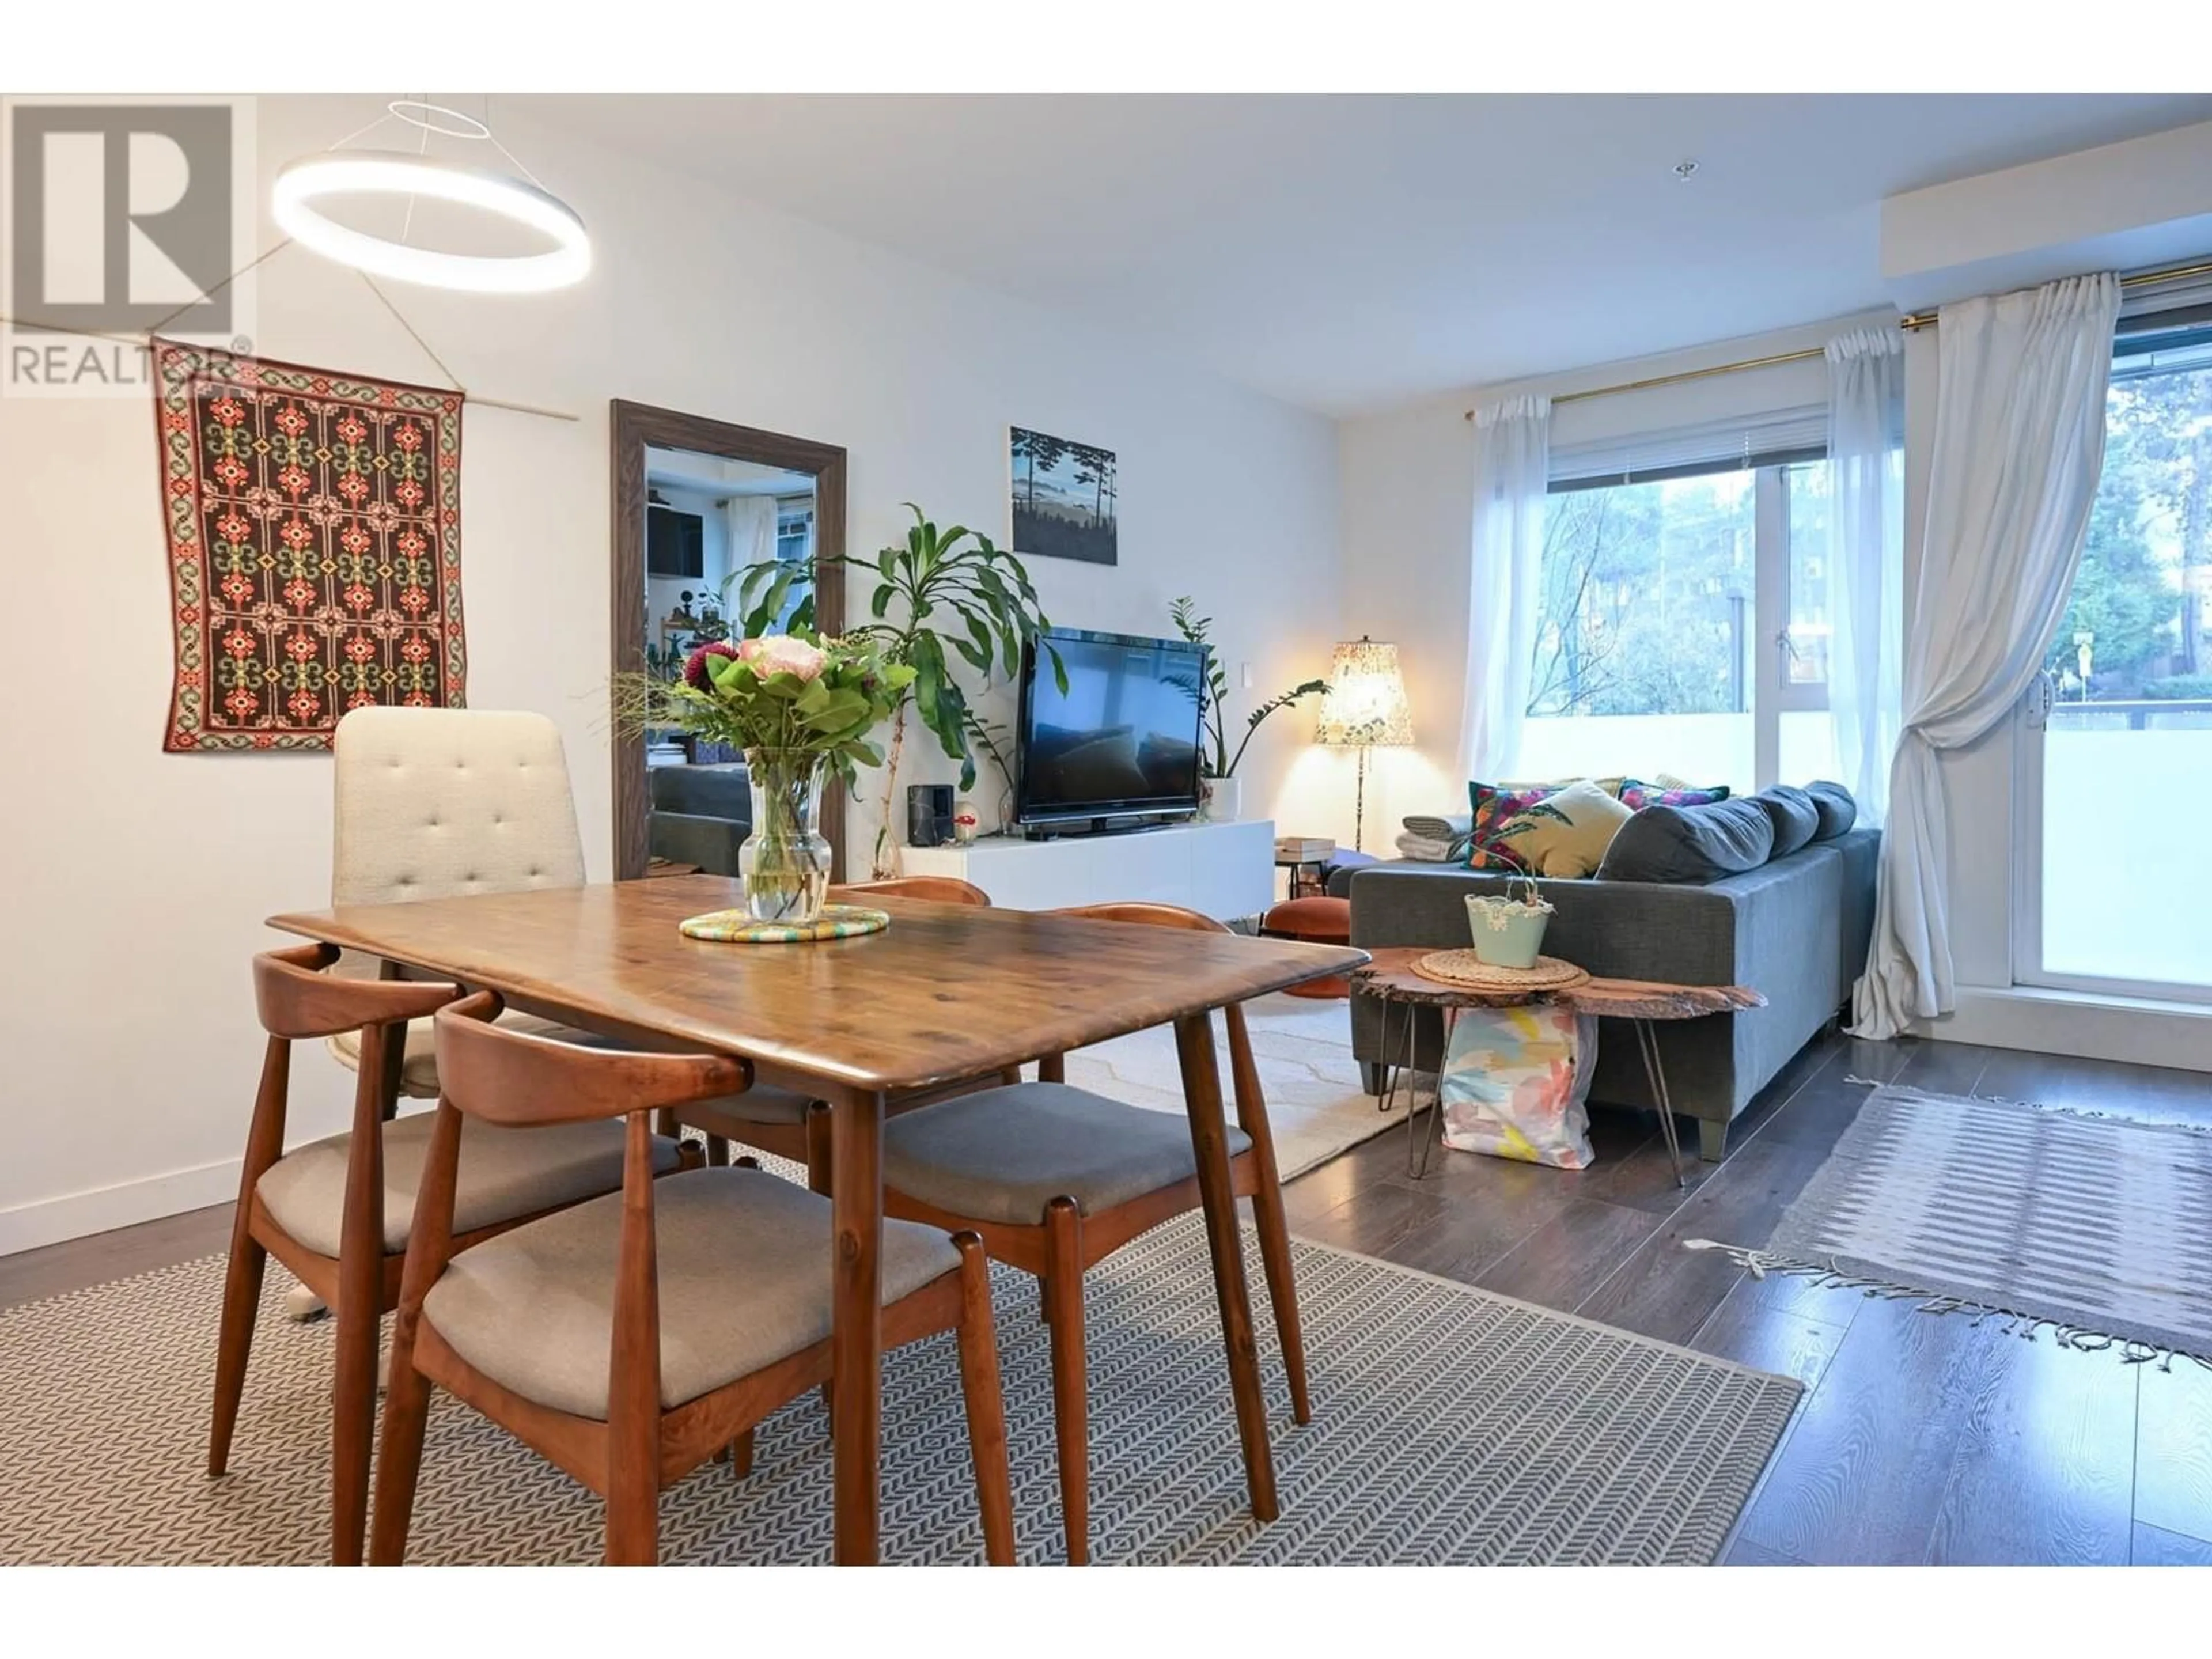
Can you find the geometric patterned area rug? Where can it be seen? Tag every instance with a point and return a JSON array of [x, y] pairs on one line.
[[2096, 1227], [1450, 1426]]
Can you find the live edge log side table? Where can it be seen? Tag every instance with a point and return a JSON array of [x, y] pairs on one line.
[[1390, 977]]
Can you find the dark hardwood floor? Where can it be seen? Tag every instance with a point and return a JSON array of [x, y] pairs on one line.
[[1920, 1437]]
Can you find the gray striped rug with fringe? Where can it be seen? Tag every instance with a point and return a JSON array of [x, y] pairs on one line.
[[2096, 1229]]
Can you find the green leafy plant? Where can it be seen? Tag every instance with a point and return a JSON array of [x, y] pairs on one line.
[[942, 593], [1212, 690]]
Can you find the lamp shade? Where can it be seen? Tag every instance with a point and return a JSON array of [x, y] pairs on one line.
[[1365, 707]]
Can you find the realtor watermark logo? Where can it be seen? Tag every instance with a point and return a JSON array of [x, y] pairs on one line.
[[122, 216]]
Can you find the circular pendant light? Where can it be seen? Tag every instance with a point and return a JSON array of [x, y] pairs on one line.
[[314, 179]]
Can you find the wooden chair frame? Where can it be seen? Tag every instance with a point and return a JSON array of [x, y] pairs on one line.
[[300, 999], [1065, 1244], [510, 1077]]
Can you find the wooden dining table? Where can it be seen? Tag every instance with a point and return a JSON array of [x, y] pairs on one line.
[[947, 992]]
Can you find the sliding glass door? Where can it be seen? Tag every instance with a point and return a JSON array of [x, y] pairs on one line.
[[2114, 811]]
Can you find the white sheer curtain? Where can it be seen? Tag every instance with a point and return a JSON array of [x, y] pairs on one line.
[[750, 521], [2020, 440], [1512, 467], [1866, 558]]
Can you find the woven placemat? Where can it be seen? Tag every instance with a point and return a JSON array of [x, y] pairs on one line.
[[835, 922], [1463, 968]]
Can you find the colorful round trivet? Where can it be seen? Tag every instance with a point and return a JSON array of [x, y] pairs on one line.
[[1463, 968], [835, 922]]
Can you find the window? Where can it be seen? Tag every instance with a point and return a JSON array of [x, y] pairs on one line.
[[1656, 593], [2131, 678], [794, 534]]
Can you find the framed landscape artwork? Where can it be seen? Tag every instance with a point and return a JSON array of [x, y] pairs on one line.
[[1063, 498]]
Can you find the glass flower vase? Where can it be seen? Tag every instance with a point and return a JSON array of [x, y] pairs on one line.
[[785, 862]]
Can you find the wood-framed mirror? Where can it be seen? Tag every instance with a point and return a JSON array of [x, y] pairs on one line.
[[695, 499]]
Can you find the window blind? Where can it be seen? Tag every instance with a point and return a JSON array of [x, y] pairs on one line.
[[1771, 438]]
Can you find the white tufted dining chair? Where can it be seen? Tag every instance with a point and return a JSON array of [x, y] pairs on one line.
[[442, 803]]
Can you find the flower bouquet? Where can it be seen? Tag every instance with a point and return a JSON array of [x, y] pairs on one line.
[[801, 709]]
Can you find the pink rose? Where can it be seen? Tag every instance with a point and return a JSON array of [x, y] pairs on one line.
[[779, 654]]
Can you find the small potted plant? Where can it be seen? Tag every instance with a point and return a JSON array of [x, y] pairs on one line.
[[1508, 928], [801, 709], [1221, 792]]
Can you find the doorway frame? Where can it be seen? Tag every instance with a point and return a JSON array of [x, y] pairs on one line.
[[635, 428]]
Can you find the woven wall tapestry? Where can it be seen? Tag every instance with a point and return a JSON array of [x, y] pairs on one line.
[[315, 531]]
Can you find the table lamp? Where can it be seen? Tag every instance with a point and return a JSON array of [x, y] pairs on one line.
[[1364, 709]]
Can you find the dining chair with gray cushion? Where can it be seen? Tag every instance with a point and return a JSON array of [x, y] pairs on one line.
[[1054, 1179], [633, 1337], [337, 1211]]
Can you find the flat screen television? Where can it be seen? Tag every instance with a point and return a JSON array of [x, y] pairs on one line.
[[1120, 741]]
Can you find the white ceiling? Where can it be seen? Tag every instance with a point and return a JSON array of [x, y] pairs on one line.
[[1348, 253]]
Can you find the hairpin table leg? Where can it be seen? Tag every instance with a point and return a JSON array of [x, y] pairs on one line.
[[1647, 1041], [1420, 1139]]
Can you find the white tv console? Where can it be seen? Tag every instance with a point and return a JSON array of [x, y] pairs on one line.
[[1225, 870]]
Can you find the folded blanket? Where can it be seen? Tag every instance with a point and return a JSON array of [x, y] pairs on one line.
[[1449, 827], [1423, 849]]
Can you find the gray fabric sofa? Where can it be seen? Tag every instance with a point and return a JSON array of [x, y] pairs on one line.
[[701, 815], [1795, 929]]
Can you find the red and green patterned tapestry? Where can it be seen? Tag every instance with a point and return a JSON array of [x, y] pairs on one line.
[[314, 528]]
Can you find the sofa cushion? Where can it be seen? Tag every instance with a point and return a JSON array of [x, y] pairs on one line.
[[1838, 811], [1693, 844], [1796, 815], [1636, 794], [1492, 805], [1564, 835]]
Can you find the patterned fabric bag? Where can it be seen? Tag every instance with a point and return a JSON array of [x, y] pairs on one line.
[[1517, 1084]]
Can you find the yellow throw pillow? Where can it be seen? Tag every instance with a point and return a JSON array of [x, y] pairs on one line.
[[1564, 835]]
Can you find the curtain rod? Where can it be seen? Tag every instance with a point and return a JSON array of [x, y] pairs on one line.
[[1915, 320]]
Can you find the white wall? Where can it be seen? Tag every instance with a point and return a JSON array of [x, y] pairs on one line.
[[137, 881]]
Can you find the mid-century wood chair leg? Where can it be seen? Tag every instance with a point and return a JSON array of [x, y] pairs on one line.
[[360, 1304], [1063, 1283], [1282, 1292], [407, 1412], [718, 1151], [741, 1455], [241, 1302], [407, 1400], [986, 1406], [353, 1423], [241, 1282]]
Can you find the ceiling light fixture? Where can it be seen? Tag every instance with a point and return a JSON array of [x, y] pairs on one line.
[[1685, 169], [306, 182]]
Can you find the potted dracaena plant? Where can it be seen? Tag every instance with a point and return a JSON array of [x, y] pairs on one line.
[[942, 593], [1217, 765]]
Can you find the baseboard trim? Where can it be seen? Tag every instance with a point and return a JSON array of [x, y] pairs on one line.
[[101, 1209], [2075, 1023]]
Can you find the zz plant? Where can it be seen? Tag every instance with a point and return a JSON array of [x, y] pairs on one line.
[[942, 593], [1212, 690]]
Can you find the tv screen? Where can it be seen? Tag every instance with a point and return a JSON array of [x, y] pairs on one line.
[[1122, 738]]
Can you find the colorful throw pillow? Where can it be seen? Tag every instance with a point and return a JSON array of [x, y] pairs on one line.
[[1636, 794], [1491, 805], [1564, 834]]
